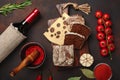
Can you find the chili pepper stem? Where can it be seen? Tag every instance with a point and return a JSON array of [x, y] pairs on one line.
[[50, 72], [50, 75]]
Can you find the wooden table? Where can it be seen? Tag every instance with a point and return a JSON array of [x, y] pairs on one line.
[[48, 11]]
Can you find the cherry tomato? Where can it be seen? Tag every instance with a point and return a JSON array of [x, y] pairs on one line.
[[100, 36], [100, 28], [100, 21], [111, 46], [110, 38], [104, 52], [106, 16], [108, 31], [98, 14], [103, 43], [108, 23]]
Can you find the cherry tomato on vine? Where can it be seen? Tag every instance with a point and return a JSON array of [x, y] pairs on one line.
[[100, 21], [103, 43], [106, 16], [104, 52], [111, 46], [98, 14], [100, 28], [108, 31], [100, 36], [110, 38], [108, 23]]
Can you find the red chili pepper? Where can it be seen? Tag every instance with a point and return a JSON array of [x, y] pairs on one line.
[[50, 76], [39, 77]]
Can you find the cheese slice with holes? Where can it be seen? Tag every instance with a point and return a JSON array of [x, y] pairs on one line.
[[56, 32]]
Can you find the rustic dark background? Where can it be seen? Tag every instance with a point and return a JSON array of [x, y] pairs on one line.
[[48, 11]]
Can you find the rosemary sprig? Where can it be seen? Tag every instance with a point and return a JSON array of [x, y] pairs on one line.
[[10, 7]]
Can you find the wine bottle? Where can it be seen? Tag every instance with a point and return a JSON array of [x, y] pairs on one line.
[[15, 34]]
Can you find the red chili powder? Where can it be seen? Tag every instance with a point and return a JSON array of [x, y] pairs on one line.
[[102, 72], [41, 56]]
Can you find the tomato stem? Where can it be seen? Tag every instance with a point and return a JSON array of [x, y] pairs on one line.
[[110, 54], [107, 41]]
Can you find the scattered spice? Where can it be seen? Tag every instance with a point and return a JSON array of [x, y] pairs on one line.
[[10, 7], [102, 72], [40, 58]]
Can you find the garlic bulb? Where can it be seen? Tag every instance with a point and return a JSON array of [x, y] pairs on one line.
[[86, 60]]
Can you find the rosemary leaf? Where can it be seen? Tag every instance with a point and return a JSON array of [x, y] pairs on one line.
[[7, 8]]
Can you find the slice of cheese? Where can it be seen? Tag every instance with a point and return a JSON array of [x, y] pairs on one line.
[[56, 32]]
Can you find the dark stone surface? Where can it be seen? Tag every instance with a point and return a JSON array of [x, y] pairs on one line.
[[48, 11]]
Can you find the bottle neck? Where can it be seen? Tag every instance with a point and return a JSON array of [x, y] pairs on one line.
[[31, 18]]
